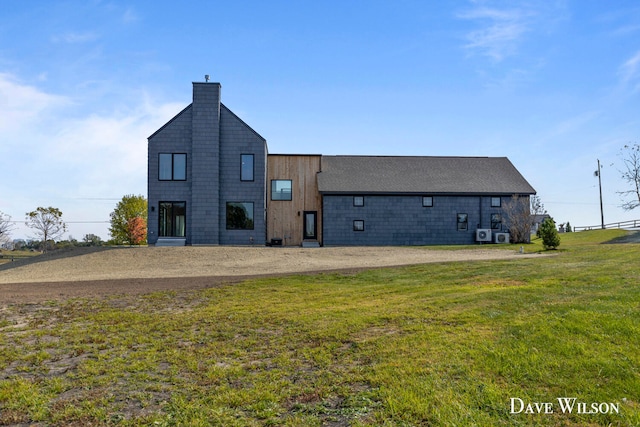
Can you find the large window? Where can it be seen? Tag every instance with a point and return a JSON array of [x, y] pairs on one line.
[[172, 167], [463, 221], [281, 189], [173, 219], [246, 167], [239, 216]]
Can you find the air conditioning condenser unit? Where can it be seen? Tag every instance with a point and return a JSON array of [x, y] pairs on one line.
[[483, 235], [500, 237]]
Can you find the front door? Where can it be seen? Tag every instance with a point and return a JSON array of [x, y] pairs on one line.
[[310, 225]]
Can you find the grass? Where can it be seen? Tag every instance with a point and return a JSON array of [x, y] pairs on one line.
[[443, 345], [10, 256]]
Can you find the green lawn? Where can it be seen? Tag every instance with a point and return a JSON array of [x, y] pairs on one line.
[[447, 344]]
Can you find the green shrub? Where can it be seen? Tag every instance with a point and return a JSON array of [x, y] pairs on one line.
[[549, 234]]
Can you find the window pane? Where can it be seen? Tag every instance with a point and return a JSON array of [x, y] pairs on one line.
[[358, 225], [495, 202], [164, 214], [310, 225], [164, 167], [180, 167], [462, 221], [427, 201], [496, 221], [358, 200], [179, 219], [172, 218], [246, 168], [281, 189], [239, 216]]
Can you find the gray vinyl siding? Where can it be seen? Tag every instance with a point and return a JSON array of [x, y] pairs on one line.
[[202, 212], [402, 220], [236, 139], [213, 139], [175, 137]]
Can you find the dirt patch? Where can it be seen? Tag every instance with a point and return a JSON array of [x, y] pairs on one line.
[[79, 272]]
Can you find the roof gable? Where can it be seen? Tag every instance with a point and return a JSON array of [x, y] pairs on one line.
[[174, 118], [419, 174]]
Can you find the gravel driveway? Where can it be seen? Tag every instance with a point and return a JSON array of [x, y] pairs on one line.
[[99, 271]]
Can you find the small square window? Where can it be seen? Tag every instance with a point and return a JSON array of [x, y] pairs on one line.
[[358, 200], [496, 221], [427, 201], [495, 202], [358, 225], [463, 221], [281, 189]]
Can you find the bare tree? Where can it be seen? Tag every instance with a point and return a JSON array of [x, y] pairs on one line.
[[518, 214], [47, 222], [630, 156], [5, 227], [537, 207]]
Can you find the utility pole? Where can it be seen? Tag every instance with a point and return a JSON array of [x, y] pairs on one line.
[[598, 174]]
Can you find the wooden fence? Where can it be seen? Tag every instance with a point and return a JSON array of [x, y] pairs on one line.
[[629, 225]]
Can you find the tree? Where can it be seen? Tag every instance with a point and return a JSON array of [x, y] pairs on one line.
[[630, 156], [5, 227], [92, 240], [537, 207], [549, 234], [518, 215], [122, 232], [48, 224], [137, 230]]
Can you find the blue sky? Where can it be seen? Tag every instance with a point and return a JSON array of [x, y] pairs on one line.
[[552, 85]]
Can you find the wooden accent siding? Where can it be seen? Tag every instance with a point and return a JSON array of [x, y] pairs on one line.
[[285, 218]]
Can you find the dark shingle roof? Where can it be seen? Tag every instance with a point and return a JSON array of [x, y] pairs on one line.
[[398, 174]]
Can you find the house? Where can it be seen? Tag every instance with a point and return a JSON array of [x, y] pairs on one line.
[[211, 181]]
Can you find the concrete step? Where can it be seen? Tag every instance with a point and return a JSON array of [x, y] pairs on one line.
[[310, 244], [171, 241]]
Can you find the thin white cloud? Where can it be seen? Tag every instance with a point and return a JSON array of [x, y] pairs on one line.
[[21, 104], [53, 155], [500, 30], [626, 30], [574, 124], [74, 37], [129, 16], [629, 71]]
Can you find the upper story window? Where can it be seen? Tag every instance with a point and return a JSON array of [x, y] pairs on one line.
[[495, 202], [172, 167], [246, 167], [427, 201], [358, 200], [281, 189]]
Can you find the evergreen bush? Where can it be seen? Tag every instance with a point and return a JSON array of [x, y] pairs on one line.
[[549, 234]]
